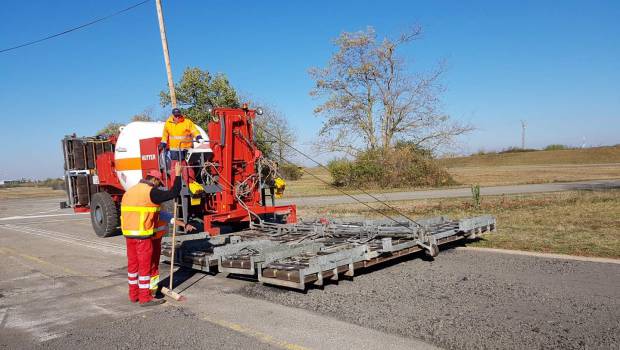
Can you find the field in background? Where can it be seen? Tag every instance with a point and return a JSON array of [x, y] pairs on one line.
[[595, 155], [485, 170], [30, 192], [582, 223], [498, 169], [533, 174]]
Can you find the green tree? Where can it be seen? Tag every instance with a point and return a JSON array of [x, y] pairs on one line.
[[197, 90]]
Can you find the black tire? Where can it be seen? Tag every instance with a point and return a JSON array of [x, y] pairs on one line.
[[104, 215]]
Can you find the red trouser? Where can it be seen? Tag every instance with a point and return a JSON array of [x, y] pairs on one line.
[[139, 255], [155, 264]]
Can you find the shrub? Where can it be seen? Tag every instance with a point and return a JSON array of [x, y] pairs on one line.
[[403, 166], [555, 147], [290, 171], [340, 170], [517, 149], [475, 195]]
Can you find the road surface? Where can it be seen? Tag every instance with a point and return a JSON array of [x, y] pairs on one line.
[[453, 193], [61, 287]]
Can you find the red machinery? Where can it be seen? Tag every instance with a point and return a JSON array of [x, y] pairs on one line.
[[231, 185]]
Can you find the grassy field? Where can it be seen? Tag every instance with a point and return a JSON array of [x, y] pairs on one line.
[[533, 174], [594, 155], [585, 223], [498, 169], [29, 192]]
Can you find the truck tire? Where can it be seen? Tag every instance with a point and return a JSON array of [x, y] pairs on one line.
[[104, 215]]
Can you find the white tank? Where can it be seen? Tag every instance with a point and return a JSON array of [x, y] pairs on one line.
[[127, 152]]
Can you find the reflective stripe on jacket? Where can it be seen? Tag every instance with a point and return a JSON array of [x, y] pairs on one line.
[[138, 213], [161, 229], [179, 135]]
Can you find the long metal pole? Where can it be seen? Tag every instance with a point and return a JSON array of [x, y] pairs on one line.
[[164, 44]]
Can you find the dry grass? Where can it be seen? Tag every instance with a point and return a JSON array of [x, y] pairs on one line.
[[585, 223], [595, 155], [29, 192], [530, 174], [498, 169]]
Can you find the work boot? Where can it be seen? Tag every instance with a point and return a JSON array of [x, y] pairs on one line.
[[153, 302]]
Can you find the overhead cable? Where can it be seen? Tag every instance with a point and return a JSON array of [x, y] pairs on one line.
[[74, 28]]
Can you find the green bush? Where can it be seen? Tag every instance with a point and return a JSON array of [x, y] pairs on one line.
[[290, 171], [340, 170], [517, 149], [555, 147], [403, 166], [475, 195]]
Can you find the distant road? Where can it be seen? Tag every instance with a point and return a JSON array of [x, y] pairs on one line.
[[455, 192]]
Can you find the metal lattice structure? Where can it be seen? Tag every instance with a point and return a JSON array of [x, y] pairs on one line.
[[299, 254]]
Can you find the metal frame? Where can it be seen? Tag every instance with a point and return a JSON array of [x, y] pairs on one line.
[[301, 254]]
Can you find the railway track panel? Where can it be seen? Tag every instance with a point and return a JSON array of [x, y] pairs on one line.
[[299, 255]]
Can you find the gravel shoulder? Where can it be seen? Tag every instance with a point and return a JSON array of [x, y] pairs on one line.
[[473, 300]]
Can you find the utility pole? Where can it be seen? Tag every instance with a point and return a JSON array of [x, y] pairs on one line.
[[164, 44], [523, 126]]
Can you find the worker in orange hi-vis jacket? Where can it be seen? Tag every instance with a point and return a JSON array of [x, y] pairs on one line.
[[140, 207], [161, 230], [178, 135]]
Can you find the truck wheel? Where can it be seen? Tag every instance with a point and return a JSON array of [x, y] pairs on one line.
[[104, 215]]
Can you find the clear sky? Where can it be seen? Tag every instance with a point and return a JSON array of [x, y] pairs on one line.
[[555, 64]]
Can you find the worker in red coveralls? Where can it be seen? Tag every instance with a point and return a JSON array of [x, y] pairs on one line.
[[160, 231], [140, 209], [178, 136]]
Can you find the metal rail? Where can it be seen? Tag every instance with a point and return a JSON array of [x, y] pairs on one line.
[[296, 255]]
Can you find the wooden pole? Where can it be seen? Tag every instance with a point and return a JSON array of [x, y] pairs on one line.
[[174, 243], [168, 291], [164, 44]]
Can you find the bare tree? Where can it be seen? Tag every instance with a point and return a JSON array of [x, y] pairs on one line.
[[273, 129], [145, 116], [370, 100]]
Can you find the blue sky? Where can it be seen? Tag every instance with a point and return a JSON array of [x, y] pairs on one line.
[[554, 64]]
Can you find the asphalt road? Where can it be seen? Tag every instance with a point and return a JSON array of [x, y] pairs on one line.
[[453, 193], [62, 287]]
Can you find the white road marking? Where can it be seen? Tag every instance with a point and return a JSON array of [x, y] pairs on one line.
[[105, 247], [46, 211], [21, 217], [41, 222], [64, 235]]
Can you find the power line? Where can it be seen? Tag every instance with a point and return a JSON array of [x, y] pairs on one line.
[[74, 28]]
